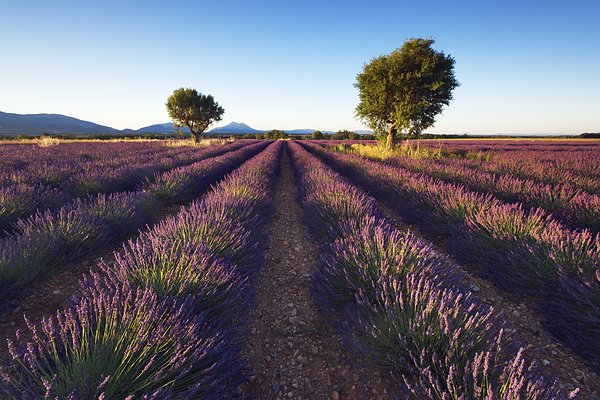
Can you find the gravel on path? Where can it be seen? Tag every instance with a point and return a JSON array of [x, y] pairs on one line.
[[293, 352]]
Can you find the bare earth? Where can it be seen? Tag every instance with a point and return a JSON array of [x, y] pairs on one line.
[[293, 351]]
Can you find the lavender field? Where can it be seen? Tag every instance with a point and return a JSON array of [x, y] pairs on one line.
[[300, 269]]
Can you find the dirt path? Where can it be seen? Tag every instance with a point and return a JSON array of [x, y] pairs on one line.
[[293, 351]]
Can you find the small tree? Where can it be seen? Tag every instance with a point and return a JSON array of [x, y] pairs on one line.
[[345, 134], [317, 135], [405, 90], [275, 134], [194, 110]]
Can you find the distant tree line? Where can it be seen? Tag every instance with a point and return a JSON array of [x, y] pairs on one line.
[[589, 135], [316, 135]]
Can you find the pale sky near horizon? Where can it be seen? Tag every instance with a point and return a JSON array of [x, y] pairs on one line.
[[524, 66]]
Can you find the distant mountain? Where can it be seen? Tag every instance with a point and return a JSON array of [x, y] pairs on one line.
[[235, 128], [48, 123], [241, 128], [167, 127], [304, 131], [36, 124]]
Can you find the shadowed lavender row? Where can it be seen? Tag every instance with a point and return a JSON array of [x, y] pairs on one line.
[[108, 175], [522, 252], [166, 319], [47, 239], [401, 304]]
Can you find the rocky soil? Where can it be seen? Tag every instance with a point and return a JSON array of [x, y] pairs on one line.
[[293, 351]]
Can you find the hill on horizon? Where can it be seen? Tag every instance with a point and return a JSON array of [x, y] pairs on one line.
[[37, 124], [166, 128], [48, 123], [236, 128]]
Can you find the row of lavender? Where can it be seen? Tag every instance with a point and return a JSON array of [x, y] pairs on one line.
[[95, 175], [52, 238], [55, 165], [582, 173], [547, 161], [166, 320], [401, 304], [572, 206], [523, 252], [572, 163]]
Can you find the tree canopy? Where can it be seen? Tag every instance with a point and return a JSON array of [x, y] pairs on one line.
[[196, 111], [345, 134], [275, 134], [405, 90]]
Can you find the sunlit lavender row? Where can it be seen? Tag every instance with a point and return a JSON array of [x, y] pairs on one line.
[[165, 320], [48, 240], [37, 178], [570, 164], [56, 165], [526, 252], [576, 163], [402, 305], [574, 207]]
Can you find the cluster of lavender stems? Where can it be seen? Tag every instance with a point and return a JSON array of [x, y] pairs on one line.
[[552, 162], [521, 251], [36, 179], [565, 164], [166, 319], [400, 304], [49, 239], [568, 204]]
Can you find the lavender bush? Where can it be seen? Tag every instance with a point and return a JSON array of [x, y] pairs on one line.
[[49, 239], [119, 344], [228, 239], [485, 377], [21, 199], [414, 318], [522, 251], [173, 268], [34, 181], [401, 307], [163, 320]]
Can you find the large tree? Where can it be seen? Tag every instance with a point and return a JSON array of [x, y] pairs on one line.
[[405, 90], [194, 110]]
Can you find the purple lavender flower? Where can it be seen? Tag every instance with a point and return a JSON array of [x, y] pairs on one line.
[[122, 343]]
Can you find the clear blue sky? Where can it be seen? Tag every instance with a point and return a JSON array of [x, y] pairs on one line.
[[524, 66]]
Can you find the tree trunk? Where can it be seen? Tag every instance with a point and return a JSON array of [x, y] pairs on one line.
[[196, 137], [391, 138]]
